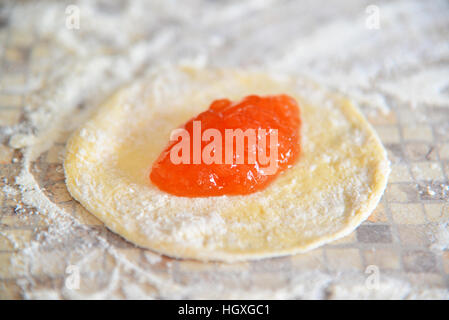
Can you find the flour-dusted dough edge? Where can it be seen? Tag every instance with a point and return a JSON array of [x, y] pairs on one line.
[[381, 174]]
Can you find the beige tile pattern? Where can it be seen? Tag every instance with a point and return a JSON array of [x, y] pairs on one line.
[[343, 259], [10, 100], [383, 258], [437, 212], [6, 154], [400, 173], [388, 134], [427, 170], [417, 132], [397, 237], [407, 213], [9, 117], [444, 151]]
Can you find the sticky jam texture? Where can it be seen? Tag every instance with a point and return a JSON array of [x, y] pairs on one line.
[[279, 112]]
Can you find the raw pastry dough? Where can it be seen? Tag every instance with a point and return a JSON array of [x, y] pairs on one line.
[[336, 184]]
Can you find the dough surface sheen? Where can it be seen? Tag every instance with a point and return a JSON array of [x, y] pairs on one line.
[[335, 185]]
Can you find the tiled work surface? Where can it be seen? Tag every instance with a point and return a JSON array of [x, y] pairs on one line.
[[403, 239]]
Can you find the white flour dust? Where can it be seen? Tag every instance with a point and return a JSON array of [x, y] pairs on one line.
[[119, 41]]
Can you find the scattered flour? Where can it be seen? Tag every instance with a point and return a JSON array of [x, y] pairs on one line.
[[118, 42]]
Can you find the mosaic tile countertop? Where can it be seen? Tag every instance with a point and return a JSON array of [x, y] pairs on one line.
[[390, 57]]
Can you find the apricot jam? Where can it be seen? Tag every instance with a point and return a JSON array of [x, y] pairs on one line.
[[202, 162]]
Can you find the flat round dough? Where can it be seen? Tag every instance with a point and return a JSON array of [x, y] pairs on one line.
[[335, 185]]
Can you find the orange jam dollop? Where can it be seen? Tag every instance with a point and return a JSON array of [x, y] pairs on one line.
[[197, 177]]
